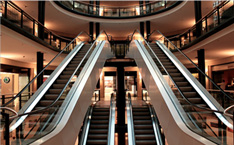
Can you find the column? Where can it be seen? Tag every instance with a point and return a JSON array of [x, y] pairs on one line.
[[102, 86], [41, 18], [198, 16], [97, 29], [91, 30], [142, 28], [201, 65], [148, 29], [139, 86], [39, 68], [120, 102]]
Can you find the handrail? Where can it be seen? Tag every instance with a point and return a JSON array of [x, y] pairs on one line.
[[227, 109], [206, 16], [197, 67], [133, 10], [155, 123], [130, 127], [33, 19], [41, 71], [86, 124], [10, 109], [111, 128]]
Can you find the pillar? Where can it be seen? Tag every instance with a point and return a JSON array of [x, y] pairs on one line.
[[39, 68], [91, 30], [148, 29], [201, 65], [120, 100], [198, 16], [97, 29], [102, 85], [139, 86], [41, 18], [142, 28]]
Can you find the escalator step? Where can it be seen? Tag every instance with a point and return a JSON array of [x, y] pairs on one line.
[[100, 121], [142, 122], [100, 117], [186, 89], [178, 79], [97, 136], [48, 102], [58, 86], [98, 142], [190, 94], [137, 113], [192, 100], [54, 91], [145, 131], [98, 131], [141, 117], [145, 142], [101, 113], [181, 84], [50, 96], [145, 137], [99, 126], [64, 76], [61, 81], [143, 126], [67, 72]]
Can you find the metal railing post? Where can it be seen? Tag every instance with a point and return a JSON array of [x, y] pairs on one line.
[[6, 132], [5, 9], [20, 101]]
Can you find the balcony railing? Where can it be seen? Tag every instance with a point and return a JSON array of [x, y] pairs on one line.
[[117, 12], [220, 15], [19, 18]]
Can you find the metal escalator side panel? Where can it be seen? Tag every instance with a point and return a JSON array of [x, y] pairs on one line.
[[111, 128], [170, 113], [78, 99], [206, 96], [32, 102]]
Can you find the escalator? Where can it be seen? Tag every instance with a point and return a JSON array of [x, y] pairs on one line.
[[98, 130], [183, 99], [99, 124], [39, 121], [144, 132], [143, 125], [197, 114]]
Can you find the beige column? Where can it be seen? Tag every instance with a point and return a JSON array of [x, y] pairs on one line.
[[102, 85], [139, 86]]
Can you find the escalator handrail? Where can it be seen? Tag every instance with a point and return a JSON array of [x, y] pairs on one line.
[[86, 126], [56, 56], [198, 68], [131, 133], [59, 96], [155, 123], [111, 127]]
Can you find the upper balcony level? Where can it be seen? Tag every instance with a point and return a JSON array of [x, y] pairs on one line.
[[117, 12]]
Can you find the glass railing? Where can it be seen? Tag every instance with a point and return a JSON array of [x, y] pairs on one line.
[[118, 12], [215, 18], [205, 121], [19, 18]]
